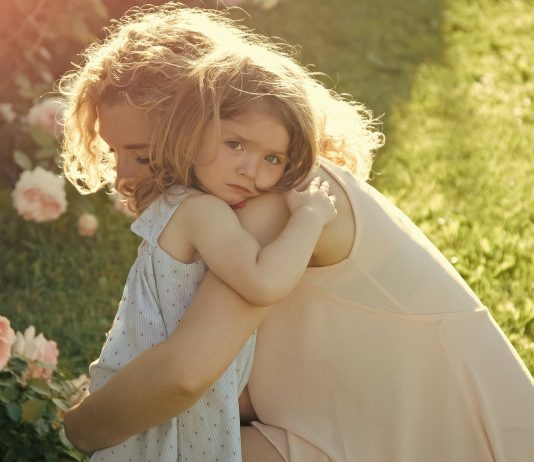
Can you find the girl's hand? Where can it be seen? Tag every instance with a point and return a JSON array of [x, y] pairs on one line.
[[315, 198]]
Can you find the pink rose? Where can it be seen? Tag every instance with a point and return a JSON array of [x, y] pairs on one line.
[[47, 115], [7, 337], [39, 195], [48, 354], [36, 348], [87, 224]]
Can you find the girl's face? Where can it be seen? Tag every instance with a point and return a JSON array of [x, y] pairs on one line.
[[247, 155], [127, 131]]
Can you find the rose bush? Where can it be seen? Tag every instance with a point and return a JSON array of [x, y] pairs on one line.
[[34, 395]]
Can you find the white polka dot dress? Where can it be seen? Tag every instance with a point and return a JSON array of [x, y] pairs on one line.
[[158, 291]]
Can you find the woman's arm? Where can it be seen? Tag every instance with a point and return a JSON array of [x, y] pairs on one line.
[[164, 381]]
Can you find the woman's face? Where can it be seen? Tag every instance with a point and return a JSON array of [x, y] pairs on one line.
[[247, 155], [127, 131]]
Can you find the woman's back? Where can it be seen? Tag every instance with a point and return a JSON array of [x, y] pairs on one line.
[[388, 355]]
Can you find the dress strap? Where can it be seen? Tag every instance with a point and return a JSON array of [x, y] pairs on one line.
[[150, 224]]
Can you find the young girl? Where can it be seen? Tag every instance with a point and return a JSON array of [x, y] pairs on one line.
[[187, 110], [381, 353]]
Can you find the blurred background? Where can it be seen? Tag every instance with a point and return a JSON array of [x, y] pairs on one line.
[[451, 80]]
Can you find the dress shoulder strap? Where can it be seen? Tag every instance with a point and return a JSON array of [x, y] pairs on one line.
[[150, 224]]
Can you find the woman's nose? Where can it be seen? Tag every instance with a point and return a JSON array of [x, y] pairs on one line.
[[123, 169], [122, 166]]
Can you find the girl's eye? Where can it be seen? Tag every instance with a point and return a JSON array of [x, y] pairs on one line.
[[235, 145], [142, 160], [272, 159]]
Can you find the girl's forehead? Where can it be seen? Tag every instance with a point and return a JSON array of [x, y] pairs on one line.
[[259, 127]]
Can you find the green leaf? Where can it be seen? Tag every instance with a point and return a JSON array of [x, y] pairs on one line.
[[10, 456], [42, 427], [63, 438], [22, 160], [39, 386], [56, 386], [42, 137], [6, 378], [13, 411], [18, 365], [33, 409], [9, 392], [61, 404]]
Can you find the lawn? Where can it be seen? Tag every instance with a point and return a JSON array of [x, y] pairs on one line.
[[453, 84]]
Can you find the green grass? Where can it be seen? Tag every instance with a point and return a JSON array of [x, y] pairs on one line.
[[66, 285], [454, 83]]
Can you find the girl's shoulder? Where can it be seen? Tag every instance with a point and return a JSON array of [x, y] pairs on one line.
[[198, 212]]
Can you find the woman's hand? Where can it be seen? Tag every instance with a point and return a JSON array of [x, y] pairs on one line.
[[315, 198]]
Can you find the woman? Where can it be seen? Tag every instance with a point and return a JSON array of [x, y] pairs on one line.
[[381, 353], [342, 371]]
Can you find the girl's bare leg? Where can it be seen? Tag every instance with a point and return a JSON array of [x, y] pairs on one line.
[[256, 448]]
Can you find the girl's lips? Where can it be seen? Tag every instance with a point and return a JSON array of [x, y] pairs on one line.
[[240, 189], [240, 205]]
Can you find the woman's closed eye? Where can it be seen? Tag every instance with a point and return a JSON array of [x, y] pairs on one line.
[[141, 160]]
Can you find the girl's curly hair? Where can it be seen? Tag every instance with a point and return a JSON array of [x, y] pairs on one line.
[[185, 66]]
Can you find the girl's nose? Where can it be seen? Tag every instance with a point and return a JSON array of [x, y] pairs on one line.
[[248, 166]]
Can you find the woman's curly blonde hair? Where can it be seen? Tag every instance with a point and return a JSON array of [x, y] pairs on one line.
[[185, 66]]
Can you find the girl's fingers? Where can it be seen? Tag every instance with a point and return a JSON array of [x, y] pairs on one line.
[[315, 183]]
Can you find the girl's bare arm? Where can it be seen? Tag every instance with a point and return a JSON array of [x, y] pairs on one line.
[[169, 378], [261, 274]]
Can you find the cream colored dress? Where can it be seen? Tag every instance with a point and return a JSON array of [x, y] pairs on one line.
[[389, 356]]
